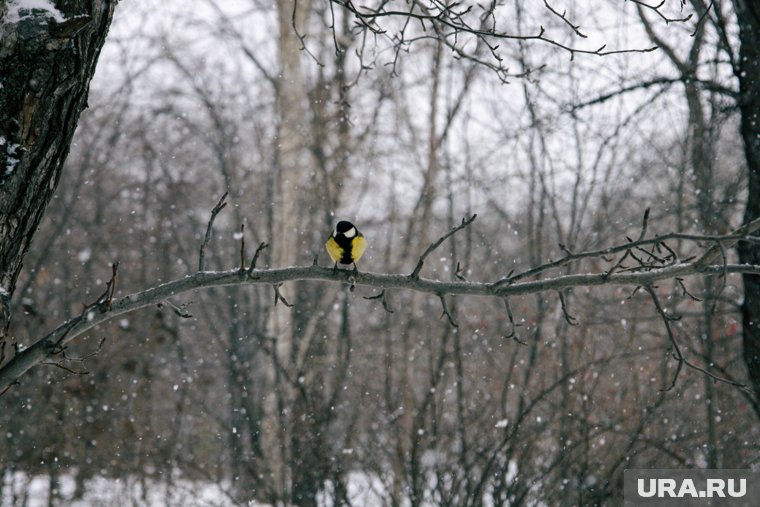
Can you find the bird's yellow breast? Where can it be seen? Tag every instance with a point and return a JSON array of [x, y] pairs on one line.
[[334, 249], [358, 245], [350, 252]]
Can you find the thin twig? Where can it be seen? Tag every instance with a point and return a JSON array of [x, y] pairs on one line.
[[465, 222], [278, 296], [88, 356], [644, 224], [513, 327], [7, 388], [702, 18], [446, 311], [80, 360], [447, 18], [568, 318], [718, 378], [666, 319], [302, 38], [255, 258], [382, 296], [678, 355], [332, 29], [618, 263], [458, 273], [65, 368], [656, 9], [105, 300], [214, 212], [562, 16], [679, 280], [242, 248], [67, 328]]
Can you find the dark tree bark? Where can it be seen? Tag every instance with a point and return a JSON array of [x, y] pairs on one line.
[[748, 16], [47, 59]]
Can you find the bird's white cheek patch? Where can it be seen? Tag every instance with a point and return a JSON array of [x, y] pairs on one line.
[[350, 233]]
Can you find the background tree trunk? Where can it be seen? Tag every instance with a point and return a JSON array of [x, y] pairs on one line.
[[47, 60], [748, 16], [292, 184]]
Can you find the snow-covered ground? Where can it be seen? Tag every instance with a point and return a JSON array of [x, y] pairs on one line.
[[113, 492], [131, 492]]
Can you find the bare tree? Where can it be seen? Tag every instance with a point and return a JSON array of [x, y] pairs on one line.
[[48, 58], [746, 69]]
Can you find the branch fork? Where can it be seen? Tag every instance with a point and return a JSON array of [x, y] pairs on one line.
[[465, 222]]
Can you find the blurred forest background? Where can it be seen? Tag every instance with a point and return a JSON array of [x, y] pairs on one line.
[[336, 401]]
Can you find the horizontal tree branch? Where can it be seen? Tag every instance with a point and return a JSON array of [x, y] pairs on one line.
[[63, 334], [652, 266], [704, 84]]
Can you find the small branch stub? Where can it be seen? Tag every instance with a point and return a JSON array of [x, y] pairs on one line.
[[384, 298]]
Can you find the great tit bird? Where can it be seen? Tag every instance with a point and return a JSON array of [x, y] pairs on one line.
[[346, 244]]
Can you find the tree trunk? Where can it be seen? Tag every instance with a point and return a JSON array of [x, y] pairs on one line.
[[748, 16], [289, 244], [47, 59]]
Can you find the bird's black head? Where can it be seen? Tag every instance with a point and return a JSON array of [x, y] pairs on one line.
[[343, 227]]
